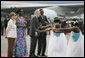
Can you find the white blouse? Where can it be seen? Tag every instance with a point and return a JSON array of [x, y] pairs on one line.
[[11, 30]]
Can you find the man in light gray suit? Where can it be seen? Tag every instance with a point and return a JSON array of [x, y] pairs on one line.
[[34, 24]]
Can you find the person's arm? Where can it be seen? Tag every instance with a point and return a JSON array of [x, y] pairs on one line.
[[74, 29], [45, 26], [21, 26], [60, 30], [48, 29], [8, 28]]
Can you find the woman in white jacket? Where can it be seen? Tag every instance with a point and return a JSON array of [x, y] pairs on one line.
[[11, 33]]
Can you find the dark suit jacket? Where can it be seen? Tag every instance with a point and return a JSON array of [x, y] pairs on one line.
[[34, 24], [43, 20]]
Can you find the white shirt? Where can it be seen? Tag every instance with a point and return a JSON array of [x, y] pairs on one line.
[[11, 30]]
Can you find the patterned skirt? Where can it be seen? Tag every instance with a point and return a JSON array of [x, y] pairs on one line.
[[20, 48]]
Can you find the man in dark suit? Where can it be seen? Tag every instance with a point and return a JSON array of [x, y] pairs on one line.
[[42, 35], [6, 22], [34, 24]]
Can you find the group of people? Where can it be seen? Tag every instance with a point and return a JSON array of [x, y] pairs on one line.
[[4, 22], [58, 46], [39, 25], [16, 34]]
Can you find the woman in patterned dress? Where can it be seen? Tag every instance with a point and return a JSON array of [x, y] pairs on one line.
[[20, 48]]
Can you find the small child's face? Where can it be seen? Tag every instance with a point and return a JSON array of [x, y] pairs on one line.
[[57, 25]]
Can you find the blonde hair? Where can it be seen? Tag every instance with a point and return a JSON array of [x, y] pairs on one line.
[[36, 12], [12, 14]]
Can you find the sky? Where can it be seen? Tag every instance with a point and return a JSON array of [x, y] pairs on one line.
[[56, 2]]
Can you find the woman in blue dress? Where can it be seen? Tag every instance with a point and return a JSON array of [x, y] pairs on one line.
[[20, 48]]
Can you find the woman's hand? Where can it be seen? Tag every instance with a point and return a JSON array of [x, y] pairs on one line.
[[24, 26], [5, 36], [25, 22], [21, 26]]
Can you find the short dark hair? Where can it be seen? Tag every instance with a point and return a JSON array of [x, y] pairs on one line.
[[74, 19], [40, 9], [76, 24], [19, 10], [56, 18], [57, 21]]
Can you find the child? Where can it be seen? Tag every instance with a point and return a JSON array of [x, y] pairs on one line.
[[76, 43], [57, 43]]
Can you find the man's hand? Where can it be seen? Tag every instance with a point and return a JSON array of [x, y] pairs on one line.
[[53, 27], [48, 29], [36, 34]]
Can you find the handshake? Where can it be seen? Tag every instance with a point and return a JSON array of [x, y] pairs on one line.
[[48, 27]]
